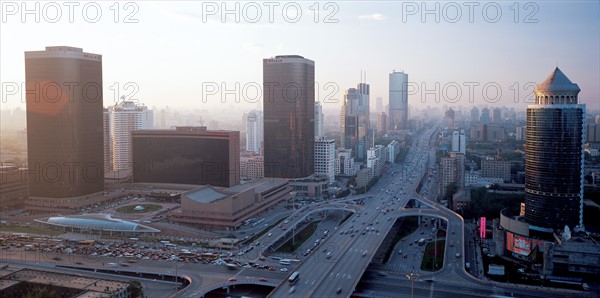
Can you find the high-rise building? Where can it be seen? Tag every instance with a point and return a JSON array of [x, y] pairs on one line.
[[592, 133], [459, 141], [520, 134], [497, 116], [106, 141], [398, 114], [186, 155], [289, 103], [379, 105], [382, 123], [449, 118], [325, 158], [355, 120], [474, 114], [344, 162], [254, 131], [554, 151], [124, 118], [485, 116], [319, 120], [452, 170], [64, 126]]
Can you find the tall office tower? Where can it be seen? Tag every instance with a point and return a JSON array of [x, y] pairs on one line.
[[398, 114], [474, 114], [124, 118], [379, 105], [64, 125], [186, 155], [485, 116], [319, 118], [554, 151], [289, 103], [449, 118], [520, 135], [382, 123], [463, 142], [497, 116], [459, 141], [355, 120], [106, 140], [325, 158], [455, 141], [254, 131]]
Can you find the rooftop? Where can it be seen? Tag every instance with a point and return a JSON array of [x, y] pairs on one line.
[[205, 195], [102, 222], [557, 81]]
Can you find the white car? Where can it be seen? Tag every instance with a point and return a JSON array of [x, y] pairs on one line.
[[283, 269]]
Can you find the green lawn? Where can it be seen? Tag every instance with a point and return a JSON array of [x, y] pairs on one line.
[[300, 238], [147, 208], [432, 251]]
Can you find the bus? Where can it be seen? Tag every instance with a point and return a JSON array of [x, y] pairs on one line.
[[285, 262], [294, 278], [86, 242]]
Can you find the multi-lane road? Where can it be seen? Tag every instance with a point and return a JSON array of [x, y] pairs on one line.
[[339, 275]]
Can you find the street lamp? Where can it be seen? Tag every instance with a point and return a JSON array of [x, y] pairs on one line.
[[412, 277]]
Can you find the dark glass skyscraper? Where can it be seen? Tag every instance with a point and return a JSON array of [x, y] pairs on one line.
[[398, 113], [289, 103], [554, 147], [355, 121], [64, 124]]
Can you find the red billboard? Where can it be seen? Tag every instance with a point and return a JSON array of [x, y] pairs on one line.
[[518, 244], [482, 228]]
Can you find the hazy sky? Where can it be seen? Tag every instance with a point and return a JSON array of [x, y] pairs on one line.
[[176, 48]]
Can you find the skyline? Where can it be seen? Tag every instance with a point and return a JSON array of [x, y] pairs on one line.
[[158, 55]]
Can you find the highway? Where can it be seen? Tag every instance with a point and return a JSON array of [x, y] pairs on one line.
[[339, 275]]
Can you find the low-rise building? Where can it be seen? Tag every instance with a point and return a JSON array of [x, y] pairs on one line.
[[14, 188], [227, 208]]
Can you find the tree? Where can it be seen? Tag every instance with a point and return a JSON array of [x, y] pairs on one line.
[[135, 289], [451, 189]]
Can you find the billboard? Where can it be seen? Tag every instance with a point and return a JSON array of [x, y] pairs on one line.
[[518, 244], [482, 228]]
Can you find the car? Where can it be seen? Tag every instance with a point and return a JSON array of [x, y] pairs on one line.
[[400, 252], [232, 279], [292, 289], [262, 279], [270, 234], [339, 290], [283, 269], [458, 255]]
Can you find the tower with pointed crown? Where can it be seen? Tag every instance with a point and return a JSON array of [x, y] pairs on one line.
[[554, 151]]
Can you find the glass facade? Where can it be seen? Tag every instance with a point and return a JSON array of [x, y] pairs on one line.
[[289, 102], [553, 165], [64, 122], [175, 157]]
